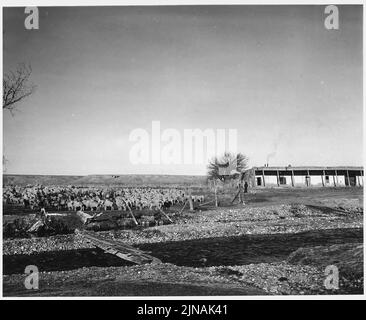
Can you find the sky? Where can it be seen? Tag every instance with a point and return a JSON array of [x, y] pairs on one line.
[[291, 87]]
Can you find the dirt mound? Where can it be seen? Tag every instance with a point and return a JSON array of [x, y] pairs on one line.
[[348, 258]]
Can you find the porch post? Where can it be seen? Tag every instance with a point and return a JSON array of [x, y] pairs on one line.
[[362, 177], [359, 179]]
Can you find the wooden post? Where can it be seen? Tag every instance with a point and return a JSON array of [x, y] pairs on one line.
[[323, 177], [191, 208], [278, 179], [170, 220], [240, 192], [131, 213], [309, 179], [205, 203], [215, 190], [334, 181], [185, 203], [362, 176], [292, 178], [359, 179], [129, 209], [264, 182], [349, 183], [337, 178], [237, 195]]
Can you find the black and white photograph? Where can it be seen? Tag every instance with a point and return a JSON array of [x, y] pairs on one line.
[[184, 150]]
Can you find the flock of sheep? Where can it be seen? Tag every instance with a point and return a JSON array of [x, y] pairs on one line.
[[94, 198]]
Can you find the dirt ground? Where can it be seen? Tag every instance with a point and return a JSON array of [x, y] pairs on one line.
[[267, 246]]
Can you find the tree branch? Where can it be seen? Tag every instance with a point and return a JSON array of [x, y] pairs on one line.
[[16, 86]]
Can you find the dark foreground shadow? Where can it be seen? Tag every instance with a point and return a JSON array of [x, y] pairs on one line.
[[241, 250], [134, 288]]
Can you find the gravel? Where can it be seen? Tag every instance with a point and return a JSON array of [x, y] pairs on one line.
[[269, 278], [209, 224], [301, 274]]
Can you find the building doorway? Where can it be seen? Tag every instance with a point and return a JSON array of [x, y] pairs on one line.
[[259, 181], [327, 180], [282, 180], [307, 181], [352, 181]]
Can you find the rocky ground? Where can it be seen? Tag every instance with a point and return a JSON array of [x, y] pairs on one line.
[[208, 224], [282, 278], [275, 249]]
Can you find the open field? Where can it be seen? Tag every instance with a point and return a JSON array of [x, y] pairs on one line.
[[270, 245], [105, 180]]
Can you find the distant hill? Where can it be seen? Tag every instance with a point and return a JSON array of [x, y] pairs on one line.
[[123, 180]]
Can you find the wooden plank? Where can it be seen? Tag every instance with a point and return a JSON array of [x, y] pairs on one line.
[[118, 249], [232, 201], [84, 217], [181, 210], [131, 213], [205, 203], [165, 215], [36, 226]]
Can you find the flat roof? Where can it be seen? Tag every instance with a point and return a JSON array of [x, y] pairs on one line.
[[308, 168]]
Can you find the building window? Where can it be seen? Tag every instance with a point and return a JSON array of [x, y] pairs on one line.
[[282, 180], [327, 179]]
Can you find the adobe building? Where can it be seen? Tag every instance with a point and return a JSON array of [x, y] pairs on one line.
[[307, 176]]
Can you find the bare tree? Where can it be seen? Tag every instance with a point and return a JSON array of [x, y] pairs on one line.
[[17, 86]]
